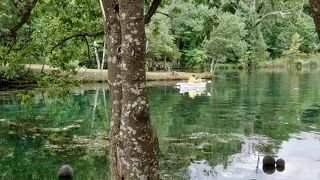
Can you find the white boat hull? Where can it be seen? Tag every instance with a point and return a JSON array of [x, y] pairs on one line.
[[192, 85]]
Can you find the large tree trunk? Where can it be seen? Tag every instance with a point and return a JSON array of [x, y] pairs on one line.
[[133, 145], [113, 40], [315, 9], [139, 144]]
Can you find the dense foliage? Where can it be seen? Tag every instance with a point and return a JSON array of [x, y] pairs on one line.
[[182, 34]]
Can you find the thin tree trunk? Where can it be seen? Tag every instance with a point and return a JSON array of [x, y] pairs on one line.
[[211, 65], [147, 47], [43, 63], [97, 54], [215, 67], [165, 62], [253, 5], [315, 9], [139, 144], [103, 56], [110, 11]]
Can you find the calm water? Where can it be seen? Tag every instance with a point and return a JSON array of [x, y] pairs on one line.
[[221, 133]]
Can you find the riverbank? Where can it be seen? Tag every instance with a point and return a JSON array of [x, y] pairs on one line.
[[31, 77], [94, 75]]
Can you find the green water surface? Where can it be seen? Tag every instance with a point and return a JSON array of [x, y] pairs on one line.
[[222, 133]]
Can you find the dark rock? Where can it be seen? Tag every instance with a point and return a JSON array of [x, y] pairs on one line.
[[280, 162], [280, 168], [268, 169], [268, 160], [65, 171], [280, 165]]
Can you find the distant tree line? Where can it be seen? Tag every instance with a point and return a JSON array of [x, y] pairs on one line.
[[181, 34]]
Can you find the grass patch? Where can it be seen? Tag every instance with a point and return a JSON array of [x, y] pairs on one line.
[[311, 61]]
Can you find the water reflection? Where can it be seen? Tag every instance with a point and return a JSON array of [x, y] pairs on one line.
[[37, 140], [249, 116], [223, 136], [297, 152]]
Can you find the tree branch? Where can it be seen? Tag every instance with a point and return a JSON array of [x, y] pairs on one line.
[[88, 47], [81, 34], [165, 14], [273, 13], [152, 10], [270, 14], [30, 4], [16, 3], [14, 41]]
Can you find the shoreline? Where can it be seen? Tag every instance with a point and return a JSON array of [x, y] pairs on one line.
[[94, 75], [87, 76]]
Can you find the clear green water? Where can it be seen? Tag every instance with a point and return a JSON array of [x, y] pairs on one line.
[[221, 134]]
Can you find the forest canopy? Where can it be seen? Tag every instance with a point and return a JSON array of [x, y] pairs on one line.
[[181, 34]]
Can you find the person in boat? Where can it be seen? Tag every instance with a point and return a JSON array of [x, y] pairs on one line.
[[192, 79], [199, 80]]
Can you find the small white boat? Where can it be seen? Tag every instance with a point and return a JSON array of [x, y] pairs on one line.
[[193, 89], [191, 85]]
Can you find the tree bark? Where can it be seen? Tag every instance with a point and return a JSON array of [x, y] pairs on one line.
[[315, 9], [133, 144], [110, 11], [139, 144]]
